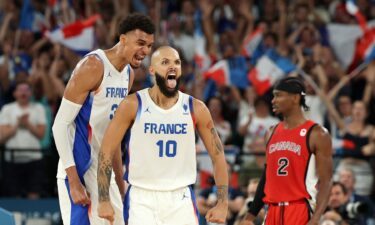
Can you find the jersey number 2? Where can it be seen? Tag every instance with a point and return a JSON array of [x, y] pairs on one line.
[[170, 148], [283, 164]]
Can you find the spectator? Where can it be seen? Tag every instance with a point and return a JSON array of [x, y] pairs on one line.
[[254, 125], [22, 124], [347, 178], [339, 208]]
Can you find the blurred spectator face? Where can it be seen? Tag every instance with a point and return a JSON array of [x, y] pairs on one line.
[[308, 37], [215, 107], [337, 197], [188, 7], [44, 60], [27, 39], [346, 177], [174, 22], [22, 93], [269, 10], [359, 111], [9, 6], [345, 105], [301, 13], [269, 41], [261, 108]]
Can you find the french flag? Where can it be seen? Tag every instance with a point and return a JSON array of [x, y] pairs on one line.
[[77, 36], [269, 68], [353, 44], [219, 73], [252, 42]]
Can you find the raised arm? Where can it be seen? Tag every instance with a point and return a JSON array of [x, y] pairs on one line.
[[211, 140], [122, 120], [86, 77], [321, 145]]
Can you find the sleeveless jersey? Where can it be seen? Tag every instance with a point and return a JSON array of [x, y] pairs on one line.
[[97, 111], [290, 172], [160, 151]]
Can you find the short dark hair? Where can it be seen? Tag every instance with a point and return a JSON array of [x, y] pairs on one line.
[[137, 21], [341, 185]]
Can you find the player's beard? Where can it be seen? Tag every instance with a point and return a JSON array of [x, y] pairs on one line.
[[162, 84]]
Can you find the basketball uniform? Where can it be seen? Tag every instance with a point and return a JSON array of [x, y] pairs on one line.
[[86, 136], [290, 187], [161, 164]]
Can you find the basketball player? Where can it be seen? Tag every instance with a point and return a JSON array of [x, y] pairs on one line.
[[297, 179], [161, 155], [98, 84]]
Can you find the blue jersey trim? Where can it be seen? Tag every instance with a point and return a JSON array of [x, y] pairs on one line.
[[127, 205], [139, 111], [81, 145], [191, 104], [79, 215], [127, 154], [192, 194]]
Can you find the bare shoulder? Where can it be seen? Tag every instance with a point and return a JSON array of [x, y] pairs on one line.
[[90, 67], [129, 105], [320, 133], [88, 72], [199, 106], [320, 139], [201, 112]]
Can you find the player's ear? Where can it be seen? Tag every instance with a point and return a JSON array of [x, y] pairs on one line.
[[123, 38], [151, 70]]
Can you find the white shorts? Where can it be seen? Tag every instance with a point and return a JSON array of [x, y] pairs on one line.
[[73, 214], [143, 207]]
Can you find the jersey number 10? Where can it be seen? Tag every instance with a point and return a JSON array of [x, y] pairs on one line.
[[168, 148]]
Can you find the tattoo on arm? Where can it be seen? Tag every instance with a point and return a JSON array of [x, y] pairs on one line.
[[104, 177], [222, 193], [216, 143]]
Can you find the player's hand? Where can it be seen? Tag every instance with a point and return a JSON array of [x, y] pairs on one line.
[[217, 214], [105, 211], [79, 194]]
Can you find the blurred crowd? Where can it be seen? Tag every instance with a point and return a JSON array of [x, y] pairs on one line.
[[34, 71]]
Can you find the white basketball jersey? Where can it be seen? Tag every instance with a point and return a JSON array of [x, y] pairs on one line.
[[160, 153], [97, 111]]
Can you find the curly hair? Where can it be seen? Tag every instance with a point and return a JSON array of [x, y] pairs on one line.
[[136, 21]]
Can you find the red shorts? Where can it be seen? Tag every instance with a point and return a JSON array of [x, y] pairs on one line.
[[295, 213]]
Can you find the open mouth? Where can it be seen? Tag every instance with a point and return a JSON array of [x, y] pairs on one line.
[[171, 80], [139, 58]]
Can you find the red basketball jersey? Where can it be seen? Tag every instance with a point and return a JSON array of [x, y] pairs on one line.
[[290, 173]]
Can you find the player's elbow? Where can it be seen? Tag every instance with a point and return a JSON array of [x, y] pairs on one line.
[[58, 127]]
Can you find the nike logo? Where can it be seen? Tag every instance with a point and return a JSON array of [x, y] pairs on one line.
[[147, 110]]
